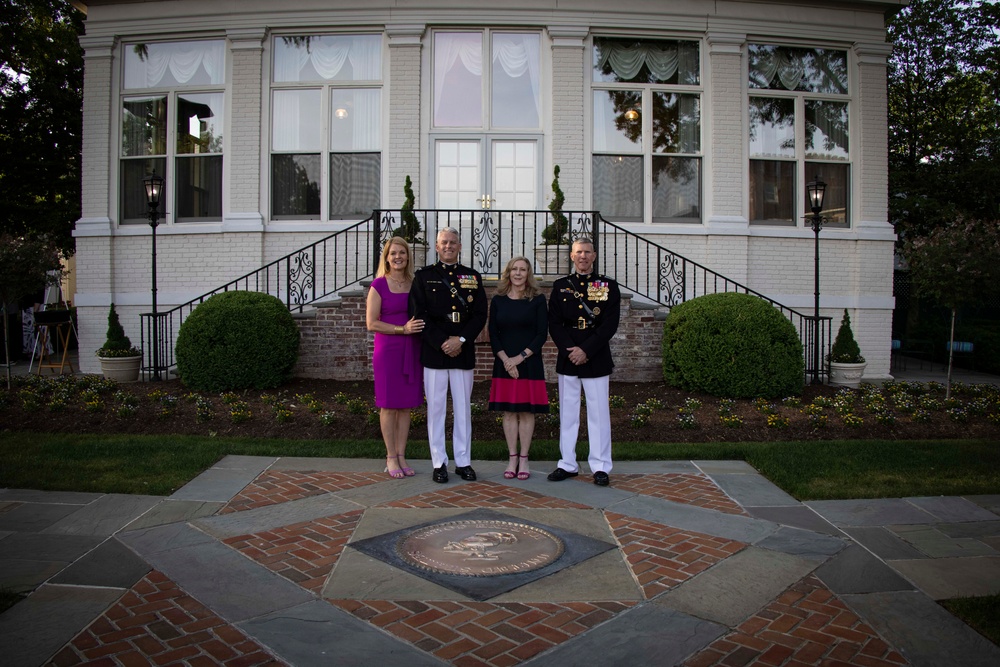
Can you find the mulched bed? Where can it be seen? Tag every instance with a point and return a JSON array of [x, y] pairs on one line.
[[339, 410]]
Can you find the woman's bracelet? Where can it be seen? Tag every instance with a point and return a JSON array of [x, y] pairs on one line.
[[400, 330]]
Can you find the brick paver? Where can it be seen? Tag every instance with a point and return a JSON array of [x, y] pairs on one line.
[[688, 488], [305, 552], [484, 494], [156, 623], [662, 557], [483, 633], [280, 486], [806, 625]]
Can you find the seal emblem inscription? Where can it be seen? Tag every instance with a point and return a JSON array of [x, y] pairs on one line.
[[480, 548]]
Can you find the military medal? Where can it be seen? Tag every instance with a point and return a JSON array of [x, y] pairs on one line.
[[470, 298], [597, 310]]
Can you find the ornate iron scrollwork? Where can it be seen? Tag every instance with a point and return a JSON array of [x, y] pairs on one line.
[[671, 280], [300, 278], [486, 243]]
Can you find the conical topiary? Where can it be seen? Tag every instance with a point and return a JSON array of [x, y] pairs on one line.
[[555, 232], [845, 349], [409, 229], [117, 343]]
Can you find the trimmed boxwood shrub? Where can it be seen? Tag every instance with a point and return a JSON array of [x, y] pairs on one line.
[[237, 340], [732, 345]]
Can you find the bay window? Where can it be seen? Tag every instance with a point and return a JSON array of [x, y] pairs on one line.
[[798, 113], [172, 122], [646, 162], [326, 125]]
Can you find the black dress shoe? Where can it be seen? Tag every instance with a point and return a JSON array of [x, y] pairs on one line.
[[440, 474], [466, 473], [601, 478], [559, 475]]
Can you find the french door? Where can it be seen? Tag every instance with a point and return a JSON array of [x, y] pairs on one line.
[[486, 173]]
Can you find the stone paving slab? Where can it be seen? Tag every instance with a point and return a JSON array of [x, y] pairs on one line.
[[157, 539], [34, 517], [796, 516], [946, 578], [105, 516], [231, 585], [976, 529], [926, 633], [224, 480], [738, 586], [935, 544], [990, 502], [802, 543], [42, 546], [685, 517], [648, 635], [854, 570], [112, 564], [173, 511], [48, 497], [725, 467], [877, 512], [274, 516], [24, 576], [952, 509], [318, 634], [36, 627], [753, 490], [883, 542]]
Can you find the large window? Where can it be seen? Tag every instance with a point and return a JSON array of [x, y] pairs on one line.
[[798, 111], [646, 161], [172, 119], [326, 126]]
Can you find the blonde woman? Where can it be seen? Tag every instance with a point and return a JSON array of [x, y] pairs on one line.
[[399, 384], [518, 326]]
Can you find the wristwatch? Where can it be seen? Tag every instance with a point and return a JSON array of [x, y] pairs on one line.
[[461, 339]]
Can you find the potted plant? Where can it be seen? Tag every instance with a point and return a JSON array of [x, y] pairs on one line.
[[120, 361], [410, 227], [553, 255], [846, 363]]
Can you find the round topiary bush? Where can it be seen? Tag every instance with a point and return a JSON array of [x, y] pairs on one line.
[[237, 340], [732, 345]]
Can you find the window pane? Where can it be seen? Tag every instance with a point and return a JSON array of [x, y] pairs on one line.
[[676, 189], [458, 79], [676, 123], [355, 184], [328, 58], [772, 127], [168, 64], [772, 191], [356, 119], [645, 61], [199, 188], [837, 179], [826, 130], [618, 187], [295, 186], [144, 126], [199, 123], [807, 70], [515, 81], [134, 208], [295, 120], [617, 120]]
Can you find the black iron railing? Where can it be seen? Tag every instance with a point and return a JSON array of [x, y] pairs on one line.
[[489, 239]]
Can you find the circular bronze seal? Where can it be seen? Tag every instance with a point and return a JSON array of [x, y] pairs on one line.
[[480, 548]]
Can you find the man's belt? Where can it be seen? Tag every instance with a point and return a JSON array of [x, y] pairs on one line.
[[582, 323], [454, 317]]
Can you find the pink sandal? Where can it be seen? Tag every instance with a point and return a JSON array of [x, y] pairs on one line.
[[523, 474], [407, 472], [395, 474], [510, 474]]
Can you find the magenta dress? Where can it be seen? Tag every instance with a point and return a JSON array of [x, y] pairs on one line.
[[399, 377]]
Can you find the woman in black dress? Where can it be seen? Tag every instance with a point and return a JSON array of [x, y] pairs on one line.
[[518, 326]]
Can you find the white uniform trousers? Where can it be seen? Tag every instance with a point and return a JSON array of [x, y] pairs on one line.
[[436, 384], [598, 421]]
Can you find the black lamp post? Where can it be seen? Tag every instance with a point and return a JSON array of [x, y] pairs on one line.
[[816, 190], [154, 188]]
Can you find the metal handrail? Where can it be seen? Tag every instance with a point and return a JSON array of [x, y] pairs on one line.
[[349, 256]]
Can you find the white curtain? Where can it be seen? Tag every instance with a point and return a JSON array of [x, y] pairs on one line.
[[787, 66], [626, 61], [181, 59], [450, 48], [518, 55], [328, 55]]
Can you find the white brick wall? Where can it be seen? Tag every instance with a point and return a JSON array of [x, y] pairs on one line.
[[248, 100], [723, 110], [567, 125], [98, 101], [402, 148]]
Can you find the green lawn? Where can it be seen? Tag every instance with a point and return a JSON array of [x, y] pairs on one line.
[[811, 470]]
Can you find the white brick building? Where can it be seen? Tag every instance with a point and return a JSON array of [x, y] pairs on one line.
[[693, 123]]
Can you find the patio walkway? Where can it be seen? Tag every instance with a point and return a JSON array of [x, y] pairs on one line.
[[707, 563]]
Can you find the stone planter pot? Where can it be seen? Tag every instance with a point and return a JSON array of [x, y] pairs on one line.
[[121, 369], [419, 253], [552, 260], [846, 375]]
